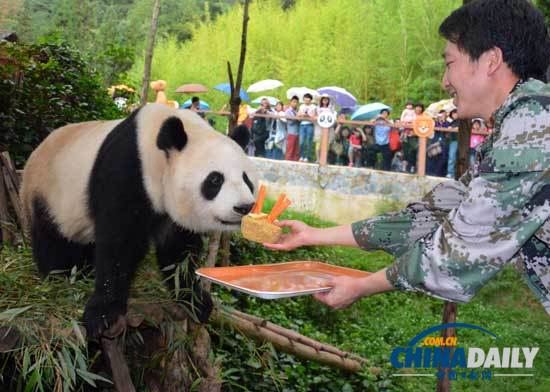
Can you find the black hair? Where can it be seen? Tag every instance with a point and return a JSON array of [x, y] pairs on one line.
[[453, 112], [194, 99], [385, 110], [476, 121], [419, 105], [295, 97], [308, 95], [514, 26], [442, 111]]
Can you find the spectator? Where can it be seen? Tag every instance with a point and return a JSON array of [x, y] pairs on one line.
[[398, 164], [261, 128], [355, 147], [325, 105], [408, 115], [382, 130], [436, 151], [276, 141], [368, 141], [410, 142], [195, 106], [340, 145], [452, 142], [307, 112], [475, 140], [292, 126]]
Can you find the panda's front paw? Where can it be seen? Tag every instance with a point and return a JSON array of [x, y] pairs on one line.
[[100, 316], [201, 303]]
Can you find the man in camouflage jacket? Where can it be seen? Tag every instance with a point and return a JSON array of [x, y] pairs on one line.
[[462, 233]]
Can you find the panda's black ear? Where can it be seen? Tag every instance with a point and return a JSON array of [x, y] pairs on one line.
[[241, 135], [172, 135]]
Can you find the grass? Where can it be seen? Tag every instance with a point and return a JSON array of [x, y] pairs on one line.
[[372, 327]]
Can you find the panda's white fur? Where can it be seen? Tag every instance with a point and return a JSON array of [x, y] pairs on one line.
[[59, 170]]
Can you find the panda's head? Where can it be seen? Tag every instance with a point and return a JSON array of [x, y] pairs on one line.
[[208, 183]]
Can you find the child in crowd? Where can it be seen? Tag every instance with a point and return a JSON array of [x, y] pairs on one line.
[[475, 140], [408, 115], [307, 111]]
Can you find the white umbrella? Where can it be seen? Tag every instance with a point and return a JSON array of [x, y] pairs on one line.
[[264, 85], [300, 92], [272, 100], [444, 104]]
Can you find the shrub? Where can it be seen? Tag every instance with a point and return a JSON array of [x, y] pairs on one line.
[[42, 88]]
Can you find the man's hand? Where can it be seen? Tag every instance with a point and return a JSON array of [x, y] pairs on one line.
[[346, 290], [300, 235]]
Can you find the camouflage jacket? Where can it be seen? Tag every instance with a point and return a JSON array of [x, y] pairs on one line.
[[462, 233]]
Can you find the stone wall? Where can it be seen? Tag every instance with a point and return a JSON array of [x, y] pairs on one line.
[[341, 194]]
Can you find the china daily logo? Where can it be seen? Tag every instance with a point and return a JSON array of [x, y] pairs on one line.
[[427, 351]]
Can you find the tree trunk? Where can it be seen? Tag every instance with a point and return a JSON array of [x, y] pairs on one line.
[[149, 53], [236, 88]]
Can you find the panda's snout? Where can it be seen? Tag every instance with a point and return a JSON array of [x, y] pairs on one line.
[[243, 209]]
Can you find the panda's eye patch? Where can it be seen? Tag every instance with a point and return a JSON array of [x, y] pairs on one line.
[[212, 185], [248, 182]]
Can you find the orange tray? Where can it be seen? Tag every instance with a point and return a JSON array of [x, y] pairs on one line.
[[272, 281]]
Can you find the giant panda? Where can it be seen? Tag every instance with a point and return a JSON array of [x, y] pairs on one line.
[[100, 192]]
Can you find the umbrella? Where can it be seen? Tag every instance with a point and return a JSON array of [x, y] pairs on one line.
[[444, 104], [264, 85], [300, 92], [191, 88], [369, 111], [272, 100], [202, 105], [224, 87], [342, 97]]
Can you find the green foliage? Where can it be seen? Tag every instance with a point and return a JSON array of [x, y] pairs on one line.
[[384, 50], [111, 34], [44, 87]]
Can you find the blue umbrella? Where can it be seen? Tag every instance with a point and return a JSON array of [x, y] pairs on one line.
[[202, 105], [369, 111], [224, 87]]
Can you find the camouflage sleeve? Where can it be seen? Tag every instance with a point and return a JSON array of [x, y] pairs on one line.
[[504, 207], [397, 231]]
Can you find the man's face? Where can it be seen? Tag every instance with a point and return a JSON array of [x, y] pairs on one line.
[[465, 80], [384, 114], [418, 110], [307, 100], [294, 103]]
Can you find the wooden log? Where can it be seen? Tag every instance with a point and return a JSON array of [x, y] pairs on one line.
[[285, 344], [6, 160], [117, 362], [213, 246], [225, 243], [9, 336], [6, 234], [14, 196]]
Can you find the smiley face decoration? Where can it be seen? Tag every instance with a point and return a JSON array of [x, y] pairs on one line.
[[423, 126]]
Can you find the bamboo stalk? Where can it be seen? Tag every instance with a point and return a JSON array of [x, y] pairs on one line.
[[292, 335], [284, 344]]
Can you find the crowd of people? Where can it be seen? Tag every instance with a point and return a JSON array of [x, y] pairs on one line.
[[387, 144]]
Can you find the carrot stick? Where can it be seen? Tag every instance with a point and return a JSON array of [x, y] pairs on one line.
[[259, 201], [274, 214], [280, 199]]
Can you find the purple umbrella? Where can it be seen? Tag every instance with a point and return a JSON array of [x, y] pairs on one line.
[[342, 97]]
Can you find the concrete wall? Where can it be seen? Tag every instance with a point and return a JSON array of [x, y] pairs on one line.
[[341, 194]]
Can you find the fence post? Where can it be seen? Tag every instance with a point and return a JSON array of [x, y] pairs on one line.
[[324, 147]]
